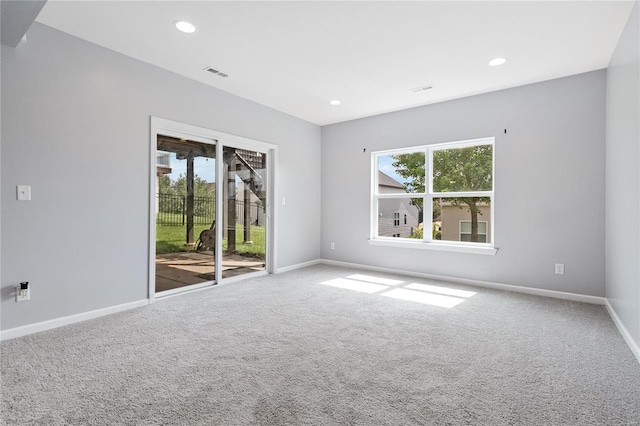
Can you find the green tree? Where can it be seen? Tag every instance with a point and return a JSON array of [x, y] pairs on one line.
[[201, 188], [164, 185], [454, 170], [203, 192], [411, 168]]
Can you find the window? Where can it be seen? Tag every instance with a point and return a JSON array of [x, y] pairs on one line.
[[443, 192], [466, 231]]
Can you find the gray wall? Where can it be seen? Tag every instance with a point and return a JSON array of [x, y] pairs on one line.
[[549, 183], [75, 126], [623, 178]]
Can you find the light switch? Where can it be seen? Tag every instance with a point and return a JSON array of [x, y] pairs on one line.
[[23, 192]]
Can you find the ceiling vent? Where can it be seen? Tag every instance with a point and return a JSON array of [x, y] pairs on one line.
[[422, 88], [216, 72]]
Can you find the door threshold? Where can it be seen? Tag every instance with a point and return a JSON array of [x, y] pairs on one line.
[[185, 289]]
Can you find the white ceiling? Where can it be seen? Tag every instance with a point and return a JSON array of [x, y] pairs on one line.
[[297, 56]]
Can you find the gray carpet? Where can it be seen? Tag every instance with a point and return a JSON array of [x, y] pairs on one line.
[[290, 350]]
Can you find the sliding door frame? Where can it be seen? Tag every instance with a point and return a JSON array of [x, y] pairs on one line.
[[161, 126]]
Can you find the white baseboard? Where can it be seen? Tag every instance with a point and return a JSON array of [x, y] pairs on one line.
[[12, 333], [298, 266], [635, 349], [486, 284]]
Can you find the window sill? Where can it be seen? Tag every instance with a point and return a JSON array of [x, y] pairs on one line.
[[486, 250]]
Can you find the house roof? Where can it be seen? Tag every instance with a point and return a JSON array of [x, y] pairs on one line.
[[386, 180]]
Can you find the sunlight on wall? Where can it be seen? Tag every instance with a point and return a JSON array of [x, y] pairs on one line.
[[420, 293]]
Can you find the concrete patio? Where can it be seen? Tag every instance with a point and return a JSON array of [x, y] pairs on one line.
[[175, 270]]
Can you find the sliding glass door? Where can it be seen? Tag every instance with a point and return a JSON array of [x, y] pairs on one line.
[[185, 213], [244, 212], [210, 207]]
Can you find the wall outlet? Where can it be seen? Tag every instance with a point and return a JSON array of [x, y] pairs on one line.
[[333, 246], [23, 295], [559, 268]]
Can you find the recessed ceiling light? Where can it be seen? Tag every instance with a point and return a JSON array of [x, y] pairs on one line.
[[497, 61], [335, 102], [185, 27]]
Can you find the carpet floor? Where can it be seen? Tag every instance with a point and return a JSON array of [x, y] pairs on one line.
[[326, 345]]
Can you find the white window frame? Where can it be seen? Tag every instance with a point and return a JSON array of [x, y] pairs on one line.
[[427, 242]]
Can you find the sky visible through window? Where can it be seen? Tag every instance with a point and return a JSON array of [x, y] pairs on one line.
[[385, 166], [205, 168]]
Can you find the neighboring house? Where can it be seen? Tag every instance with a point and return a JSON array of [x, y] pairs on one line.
[[455, 223], [396, 217], [163, 167], [163, 163]]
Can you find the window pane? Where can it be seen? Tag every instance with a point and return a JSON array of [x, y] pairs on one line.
[[482, 227], [401, 173], [185, 212], [463, 169], [243, 212], [454, 219], [467, 238], [389, 224]]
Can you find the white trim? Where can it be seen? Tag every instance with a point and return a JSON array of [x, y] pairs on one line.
[[300, 266], [243, 277], [185, 290], [421, 245], [487, 140], [229, 139], [177, 290], [209, 285], [635, 349], [476, 283], [218, 203], [374, 224], [151, 244], [37, 327], [272, 211]]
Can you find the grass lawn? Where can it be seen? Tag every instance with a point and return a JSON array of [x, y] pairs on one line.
[[171, 239]]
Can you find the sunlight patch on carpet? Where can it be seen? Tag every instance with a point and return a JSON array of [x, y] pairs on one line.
[[427, 294], [375, 280], [441, 290], [424, 298], [355, 285]]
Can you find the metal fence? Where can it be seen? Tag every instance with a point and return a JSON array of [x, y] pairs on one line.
[[171, 209], [256, 211]]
